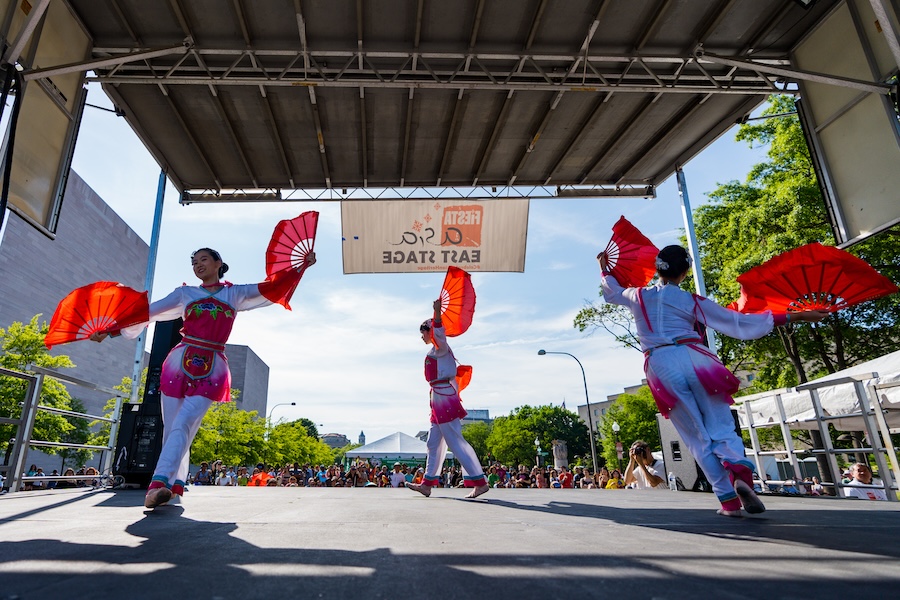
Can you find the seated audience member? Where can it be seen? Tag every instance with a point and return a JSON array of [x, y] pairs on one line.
[[39, 485], [397, 477], [554, 479], [816, 489], [493, 479], [578, 476], [566, 479], [203, 476], [243, 478], [603, 478], [93, 473], [615, 481], [862, 475], [222, 478], [643, 471], [67, 483], [537, 478], [523, 478]]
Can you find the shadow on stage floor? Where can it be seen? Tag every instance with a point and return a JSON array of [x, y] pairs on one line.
[[175, 556]]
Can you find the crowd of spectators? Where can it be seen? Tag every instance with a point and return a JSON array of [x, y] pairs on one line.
[[363, 473], [89, 474]]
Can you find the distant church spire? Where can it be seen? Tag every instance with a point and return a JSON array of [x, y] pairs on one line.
[[362, 438]]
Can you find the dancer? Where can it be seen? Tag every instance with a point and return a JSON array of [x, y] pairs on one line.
[[195, 373], [691, 387], [446, 412]]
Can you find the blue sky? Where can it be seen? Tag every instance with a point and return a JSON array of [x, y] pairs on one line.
[[349, 354]]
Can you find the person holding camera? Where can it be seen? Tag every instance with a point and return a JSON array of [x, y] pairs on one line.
[[643, 471]]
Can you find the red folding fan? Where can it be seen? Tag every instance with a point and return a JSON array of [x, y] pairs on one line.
[[632, 257], [811, 277], [457, 301], [292, 240], [96, 308], [463, 377]]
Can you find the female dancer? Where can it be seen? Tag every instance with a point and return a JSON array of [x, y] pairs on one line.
[[691, 387], [446, 412], [195, 373]]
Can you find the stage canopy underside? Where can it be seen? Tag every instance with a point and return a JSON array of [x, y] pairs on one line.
[[332, 94]]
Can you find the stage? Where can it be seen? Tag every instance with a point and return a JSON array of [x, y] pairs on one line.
[[390, 543]]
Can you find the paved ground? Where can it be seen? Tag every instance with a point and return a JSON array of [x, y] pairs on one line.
[[394, 543]]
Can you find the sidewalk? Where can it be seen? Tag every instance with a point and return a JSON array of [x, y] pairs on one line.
[[393, 543]]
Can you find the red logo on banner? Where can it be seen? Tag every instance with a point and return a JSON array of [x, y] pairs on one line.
[[461, 226]]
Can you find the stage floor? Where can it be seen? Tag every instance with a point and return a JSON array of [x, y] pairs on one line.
[[394, 543]]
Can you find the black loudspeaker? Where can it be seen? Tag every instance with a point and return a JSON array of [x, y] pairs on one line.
[[141, 427], [678, 458]]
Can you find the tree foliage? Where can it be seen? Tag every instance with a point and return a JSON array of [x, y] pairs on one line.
[[779, 208], [477, 435], [291, 442], [511, 439], [636, 416], [615, 319], [511, 442], [21, 345], [232, 435]]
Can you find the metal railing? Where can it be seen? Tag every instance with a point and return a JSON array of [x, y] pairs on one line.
[[22, 441], [874, 425]]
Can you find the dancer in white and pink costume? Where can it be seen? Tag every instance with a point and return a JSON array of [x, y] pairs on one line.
[[446, 412], [689, 383], [195, 373]]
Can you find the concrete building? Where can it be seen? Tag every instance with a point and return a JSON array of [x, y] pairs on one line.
[[598, 409], [250, 375], [335, 440], [478, 415]]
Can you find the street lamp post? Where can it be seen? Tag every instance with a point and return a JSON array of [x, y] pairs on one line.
[[537, 456], [587, 399], [615, 428], [280, 404], [269, 422]]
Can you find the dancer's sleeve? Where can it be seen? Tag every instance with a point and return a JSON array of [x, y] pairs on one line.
[[167, 309], [440, 341], [614, 293], [733, 323], [278, 288]]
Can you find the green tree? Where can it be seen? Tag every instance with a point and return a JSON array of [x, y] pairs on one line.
[[311, 428], [477, 435], [556, 423], [511, 442], [291, 442], [234, 436], [615, 319], [780, 208], [339, 455], [21, 345], [636, 416]]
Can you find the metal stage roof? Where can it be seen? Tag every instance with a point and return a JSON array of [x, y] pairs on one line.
[[312, 94]]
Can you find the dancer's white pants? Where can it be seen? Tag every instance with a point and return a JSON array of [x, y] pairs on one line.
[[441, 436], [181, 420]]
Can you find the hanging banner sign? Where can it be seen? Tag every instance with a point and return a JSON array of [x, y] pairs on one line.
[[412, 236]]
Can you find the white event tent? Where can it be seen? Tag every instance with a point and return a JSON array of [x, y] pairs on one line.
[[395, 447]]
